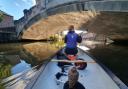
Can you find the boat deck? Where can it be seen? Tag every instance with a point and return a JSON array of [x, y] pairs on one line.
[[93, 77]]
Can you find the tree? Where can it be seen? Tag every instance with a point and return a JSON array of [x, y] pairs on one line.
[[1, 17]]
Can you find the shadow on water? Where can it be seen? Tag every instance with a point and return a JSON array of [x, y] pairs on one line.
[[115, 57], [20, 61]]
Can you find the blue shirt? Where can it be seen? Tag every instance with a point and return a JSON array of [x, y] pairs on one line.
[[71, 39]]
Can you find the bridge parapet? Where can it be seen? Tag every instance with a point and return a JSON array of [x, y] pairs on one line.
[[110, 5], [28, 15], [53, 3]]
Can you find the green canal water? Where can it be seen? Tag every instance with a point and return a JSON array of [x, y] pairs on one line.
[[115, 57], [18, 57]]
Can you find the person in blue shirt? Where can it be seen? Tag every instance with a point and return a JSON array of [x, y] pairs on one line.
[[71, 40]]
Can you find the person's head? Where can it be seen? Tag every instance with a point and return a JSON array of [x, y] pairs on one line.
[[73, 76], [71, 28]]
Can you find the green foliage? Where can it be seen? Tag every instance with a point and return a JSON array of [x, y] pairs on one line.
[[1, 87], [5, 71], [53, 38], [58, 44], [1, 17]]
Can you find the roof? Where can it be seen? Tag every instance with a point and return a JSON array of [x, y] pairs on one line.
[[5, 13]]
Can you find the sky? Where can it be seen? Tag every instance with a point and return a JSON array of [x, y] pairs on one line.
[[15, 7]]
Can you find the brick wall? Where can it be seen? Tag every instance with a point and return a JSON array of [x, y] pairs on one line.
[[7, 21]]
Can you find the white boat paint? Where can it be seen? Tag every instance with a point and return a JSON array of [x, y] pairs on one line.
[[93, 77], [83, 47]]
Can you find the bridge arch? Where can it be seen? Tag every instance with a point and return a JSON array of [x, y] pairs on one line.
[[53, 7]]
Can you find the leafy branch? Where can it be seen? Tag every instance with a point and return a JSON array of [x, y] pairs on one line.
[[1, 17]]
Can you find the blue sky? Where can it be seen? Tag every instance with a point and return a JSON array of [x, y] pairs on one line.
[[16, 7]]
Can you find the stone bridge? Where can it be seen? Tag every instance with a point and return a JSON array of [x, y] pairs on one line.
[[45, 9]]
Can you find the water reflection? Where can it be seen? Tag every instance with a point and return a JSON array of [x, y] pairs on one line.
[[41, 51], [19, 80], [115, 57], [19, 60], [22, 66]]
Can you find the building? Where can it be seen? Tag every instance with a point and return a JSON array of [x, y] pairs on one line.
[[7, 27]]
